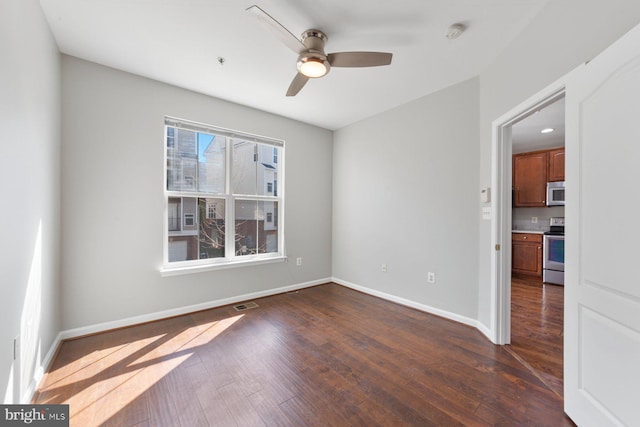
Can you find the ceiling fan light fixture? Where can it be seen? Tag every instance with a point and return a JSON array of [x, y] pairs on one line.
[[312, 66], [313, 61]]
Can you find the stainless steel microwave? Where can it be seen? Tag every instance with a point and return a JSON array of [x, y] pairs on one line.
[[555, 193]]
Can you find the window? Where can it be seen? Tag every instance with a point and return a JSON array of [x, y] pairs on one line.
[[222, 184], [174, 214], [189, 220], [211, 211]]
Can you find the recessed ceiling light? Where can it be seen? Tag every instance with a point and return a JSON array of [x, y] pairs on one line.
[[547, 130]]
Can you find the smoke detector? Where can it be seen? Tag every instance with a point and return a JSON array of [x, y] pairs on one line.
[[455, 31]]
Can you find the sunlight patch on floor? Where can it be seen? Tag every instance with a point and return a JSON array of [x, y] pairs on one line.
[[135, 368]]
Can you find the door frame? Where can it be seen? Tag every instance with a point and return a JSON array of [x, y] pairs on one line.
[[501, 205]]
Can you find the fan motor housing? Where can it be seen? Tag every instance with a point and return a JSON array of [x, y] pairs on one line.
[[314, 40]]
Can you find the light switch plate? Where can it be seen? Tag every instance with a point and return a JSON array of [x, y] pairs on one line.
[[486, 212]]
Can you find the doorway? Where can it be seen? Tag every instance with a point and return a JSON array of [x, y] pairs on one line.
[[501, 204], [537, 294]]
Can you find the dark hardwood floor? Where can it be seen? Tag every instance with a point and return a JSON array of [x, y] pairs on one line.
[[537, 329], [322, 356]]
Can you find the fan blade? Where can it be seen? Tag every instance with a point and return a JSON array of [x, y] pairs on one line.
[[277, 29], [298, 83], [359, 59]]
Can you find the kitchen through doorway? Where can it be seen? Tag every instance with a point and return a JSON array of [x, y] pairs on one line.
[[537, 243]]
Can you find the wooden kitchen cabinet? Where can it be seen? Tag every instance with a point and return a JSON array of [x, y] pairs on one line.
[[556, 164], [526, 254], [530, 179]]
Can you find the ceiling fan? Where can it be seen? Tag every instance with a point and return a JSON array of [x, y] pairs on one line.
[[313, 62]]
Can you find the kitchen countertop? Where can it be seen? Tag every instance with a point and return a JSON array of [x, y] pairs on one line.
[[528, 231]]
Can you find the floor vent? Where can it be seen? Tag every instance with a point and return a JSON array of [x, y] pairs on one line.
[[245, 306]]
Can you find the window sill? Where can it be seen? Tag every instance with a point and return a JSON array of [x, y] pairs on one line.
[[177, 271]]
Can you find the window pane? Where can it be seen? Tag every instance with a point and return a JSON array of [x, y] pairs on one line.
[[244, 169], [175, 213], [183, 229], [254, 233], [269, 225], [212, 228], [267, 170], [211, 163], [181, 160], [196, 228], [255, 169]]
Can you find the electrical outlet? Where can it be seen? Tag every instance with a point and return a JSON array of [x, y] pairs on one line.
[[534, 220], [431, 277], [299, 261], [383, 268]]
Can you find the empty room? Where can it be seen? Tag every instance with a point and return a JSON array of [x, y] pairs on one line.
[[227, 213]]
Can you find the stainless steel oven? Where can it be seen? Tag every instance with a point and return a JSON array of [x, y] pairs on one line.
[[553, 261]]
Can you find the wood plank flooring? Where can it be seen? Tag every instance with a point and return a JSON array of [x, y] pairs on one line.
[[537, 331], [322, 356]]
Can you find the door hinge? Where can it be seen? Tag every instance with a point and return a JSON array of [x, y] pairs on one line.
[[497, 246]]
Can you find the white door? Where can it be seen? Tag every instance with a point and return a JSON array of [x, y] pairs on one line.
[[602, 292]]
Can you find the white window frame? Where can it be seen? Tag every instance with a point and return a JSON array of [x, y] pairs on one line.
[[231, 259]]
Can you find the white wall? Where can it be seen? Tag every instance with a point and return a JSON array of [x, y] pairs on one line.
[[112, 158], [29, 207], [565, 34], [405, 194]]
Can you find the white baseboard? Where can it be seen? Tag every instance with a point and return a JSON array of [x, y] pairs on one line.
[[486, 331], [101, 327], [418, 306], [28, 394]]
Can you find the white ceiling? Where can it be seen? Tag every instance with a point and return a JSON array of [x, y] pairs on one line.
[[179, 41], [526, 135]]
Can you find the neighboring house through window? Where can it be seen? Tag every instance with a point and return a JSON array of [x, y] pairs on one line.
[[222, 202]]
